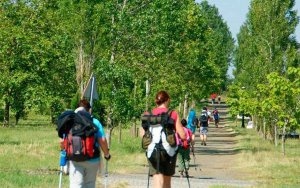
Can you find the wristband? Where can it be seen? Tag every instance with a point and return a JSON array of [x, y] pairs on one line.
[[107, 157]]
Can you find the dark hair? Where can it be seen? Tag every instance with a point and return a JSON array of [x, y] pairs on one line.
[[161, 97], [184, 122], [204, 108], [85, 104]]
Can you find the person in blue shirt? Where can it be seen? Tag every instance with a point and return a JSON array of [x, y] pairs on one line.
[[84, 173], [192, 124]]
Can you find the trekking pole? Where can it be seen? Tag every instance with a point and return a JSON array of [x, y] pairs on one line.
[[186, 173], [148, 183], [106, 173], [194, 157], [60, 176], [62, 161]]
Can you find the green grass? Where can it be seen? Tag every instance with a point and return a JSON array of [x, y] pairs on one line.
[[266, 164], [29, 156]]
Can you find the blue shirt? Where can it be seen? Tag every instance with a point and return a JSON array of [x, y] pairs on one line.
[[99, 134]]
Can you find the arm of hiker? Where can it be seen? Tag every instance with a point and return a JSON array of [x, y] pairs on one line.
[[179, 129], [101, 139], [104, 147], [61, 143]]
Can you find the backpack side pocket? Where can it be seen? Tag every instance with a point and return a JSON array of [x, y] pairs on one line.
[[146, 140]]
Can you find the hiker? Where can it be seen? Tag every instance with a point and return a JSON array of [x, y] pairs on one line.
[[216, 117], [209, 116], [184, 150], [213, 98], [204, 118], [161, 150], [83, 173], [192, 123], [219, 99]]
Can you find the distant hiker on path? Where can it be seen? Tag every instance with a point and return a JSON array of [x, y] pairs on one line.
[[83, 171], [216, 117], [204, 117], [192, 123], [184, 151], [161, 150], [213, 97], [219, 99]]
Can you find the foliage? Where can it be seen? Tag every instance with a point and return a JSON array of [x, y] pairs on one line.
[[179, 46], [267, 65]]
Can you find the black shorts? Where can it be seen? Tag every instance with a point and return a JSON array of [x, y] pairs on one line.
[[166, 168]]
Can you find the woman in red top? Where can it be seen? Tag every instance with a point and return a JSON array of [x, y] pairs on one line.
[[162, 178]]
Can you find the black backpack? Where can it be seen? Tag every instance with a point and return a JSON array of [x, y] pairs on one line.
[[195, 121], [203, 117], [164, 122], [78, 132]]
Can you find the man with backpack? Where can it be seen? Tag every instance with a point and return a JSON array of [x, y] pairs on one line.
[[204, 118], [82, 137]]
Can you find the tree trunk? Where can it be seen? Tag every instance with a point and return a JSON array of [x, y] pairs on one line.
[[6, 114], [179, 111], [185, 106], [80, 68], [264, 124], [243, 120], [257, 123], [283, 139], [275, 135]]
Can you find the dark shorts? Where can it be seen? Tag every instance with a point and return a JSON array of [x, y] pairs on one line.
[[166, 168], [203, 130]]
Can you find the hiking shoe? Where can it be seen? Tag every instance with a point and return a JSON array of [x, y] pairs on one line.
[[201, 143], [204, 143]]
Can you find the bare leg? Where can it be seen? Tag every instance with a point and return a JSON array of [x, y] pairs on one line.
[[158, 181], [167, 182], [202, 138]]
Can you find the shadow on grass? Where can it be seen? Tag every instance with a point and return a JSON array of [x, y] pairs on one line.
[[224, 141], [10, 142], [222, 135], [210, 151]]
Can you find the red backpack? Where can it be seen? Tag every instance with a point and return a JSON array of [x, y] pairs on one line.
[[78, 132]]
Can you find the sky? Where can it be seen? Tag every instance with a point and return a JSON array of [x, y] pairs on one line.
[[234, 13]]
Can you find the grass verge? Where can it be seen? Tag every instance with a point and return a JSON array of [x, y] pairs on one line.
[[265, 164]]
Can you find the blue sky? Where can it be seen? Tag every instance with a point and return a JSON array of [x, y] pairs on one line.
[[234, 13]]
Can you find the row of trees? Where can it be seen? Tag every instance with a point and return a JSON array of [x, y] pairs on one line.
[[267, 68], [49, 48]]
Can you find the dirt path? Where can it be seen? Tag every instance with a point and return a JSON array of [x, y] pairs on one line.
[[213, 164]]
